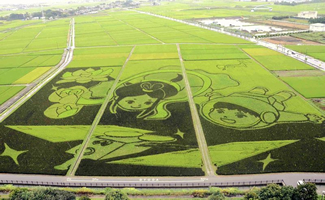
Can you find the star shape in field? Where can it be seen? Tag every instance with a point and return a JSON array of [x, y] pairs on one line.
[[12, 153], [54, 88], [267, 161], [180, 133]]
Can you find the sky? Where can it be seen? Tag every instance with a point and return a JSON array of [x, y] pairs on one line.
[[29, 1]]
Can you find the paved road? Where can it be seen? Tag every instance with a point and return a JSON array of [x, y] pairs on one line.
[[171, 182], [14, 103]]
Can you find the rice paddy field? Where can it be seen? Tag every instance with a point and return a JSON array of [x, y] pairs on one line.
[[126, 91], [227, 8], [316, 51], [29, 49]]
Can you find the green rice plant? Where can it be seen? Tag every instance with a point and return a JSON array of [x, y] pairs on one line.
[[11, 75], [14, 61], [308, 86], [6, 92]]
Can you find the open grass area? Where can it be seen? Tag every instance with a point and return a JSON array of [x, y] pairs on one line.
[[309, 87]]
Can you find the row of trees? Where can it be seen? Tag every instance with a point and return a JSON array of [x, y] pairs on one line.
[[317, 20], [47, 13], [271, 192], [55, 194], [275, 192]]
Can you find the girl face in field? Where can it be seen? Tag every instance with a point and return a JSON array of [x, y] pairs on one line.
[[233, 118], [134, 103]]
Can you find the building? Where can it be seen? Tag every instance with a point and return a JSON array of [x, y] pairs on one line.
[[318, 27], [308, 14]]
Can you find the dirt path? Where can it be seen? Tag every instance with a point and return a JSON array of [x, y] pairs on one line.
[[299, 73], [142, 31], [288, 40], [209, 168], [99, 115]]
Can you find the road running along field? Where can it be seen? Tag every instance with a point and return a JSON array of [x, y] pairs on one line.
[[253, 122], [30, 50]]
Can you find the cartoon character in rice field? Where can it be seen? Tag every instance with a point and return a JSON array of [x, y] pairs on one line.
[[70, 101], [148, 93], [254, 109], [111, 142]]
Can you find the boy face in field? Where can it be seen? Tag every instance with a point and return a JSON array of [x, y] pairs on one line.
[[233, 117], [140, 102]]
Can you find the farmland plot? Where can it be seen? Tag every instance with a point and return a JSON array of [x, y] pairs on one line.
[[6, 92], [273, 60], [38, 136], [309, 87], [253, 122], [316, 51], [146, 129]]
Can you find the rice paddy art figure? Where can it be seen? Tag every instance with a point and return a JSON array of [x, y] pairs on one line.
[[145, 97], [150, 93], [112, 142], [240, 64], [254, 109], [70, 100]]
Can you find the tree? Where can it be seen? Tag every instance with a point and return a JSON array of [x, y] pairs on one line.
[[14, 16], [116, 195], [37, 14], [306, 192], [84, 198], [276, 192], [270, 191], [251, 195], [216, 196], [286, 192], [20, 194], [41, 194]]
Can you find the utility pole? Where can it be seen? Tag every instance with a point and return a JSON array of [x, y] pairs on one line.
[[43, 16]]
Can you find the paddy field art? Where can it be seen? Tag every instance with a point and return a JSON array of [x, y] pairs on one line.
[[146, 96]]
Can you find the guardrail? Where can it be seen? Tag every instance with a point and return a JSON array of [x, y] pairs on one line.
[[316, 181], [144, 184]]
